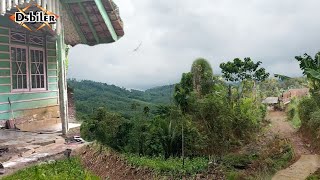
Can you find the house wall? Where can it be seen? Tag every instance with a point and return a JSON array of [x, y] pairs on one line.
[[294, 93], [27, 106]]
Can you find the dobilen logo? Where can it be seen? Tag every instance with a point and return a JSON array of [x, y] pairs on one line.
[[42, 16]]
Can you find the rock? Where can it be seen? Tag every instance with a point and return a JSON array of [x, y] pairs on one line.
[[1, 169], [4, 150], [308, 145], [67, 153]]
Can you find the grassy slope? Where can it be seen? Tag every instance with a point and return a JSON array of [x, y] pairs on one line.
[[64, 169]]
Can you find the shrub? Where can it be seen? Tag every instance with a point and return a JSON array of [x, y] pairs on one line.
[[215, 116], [246, 118], [292, 113], [314, 122], [107, 128], [263, 110], [306, 107]]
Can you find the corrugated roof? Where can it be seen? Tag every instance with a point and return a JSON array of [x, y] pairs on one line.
[[271, 100], [90, 24]]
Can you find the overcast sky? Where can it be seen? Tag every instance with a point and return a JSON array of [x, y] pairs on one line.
[[175, 32]]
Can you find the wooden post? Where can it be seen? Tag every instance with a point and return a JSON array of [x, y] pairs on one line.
[[63, 96], [182, 145]]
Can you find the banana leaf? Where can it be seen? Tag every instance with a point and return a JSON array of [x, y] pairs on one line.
[[315, 74]]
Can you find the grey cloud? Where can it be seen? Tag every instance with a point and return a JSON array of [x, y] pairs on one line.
[[174, 33]]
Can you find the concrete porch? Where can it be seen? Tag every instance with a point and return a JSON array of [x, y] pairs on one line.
[[21, 149]]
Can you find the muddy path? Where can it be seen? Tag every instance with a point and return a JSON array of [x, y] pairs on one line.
[[284, 129], [307, 162]]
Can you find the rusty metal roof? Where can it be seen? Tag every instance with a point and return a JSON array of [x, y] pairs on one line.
[[88, 22], [95, 21], [271, 100]]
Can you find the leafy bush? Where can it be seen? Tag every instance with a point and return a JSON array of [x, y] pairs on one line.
[[292, 113], [65, 169], [215, 119], [306, 107], [314, 122], [107, 128], [247, 118], [263, 110], [145, 135], [224, 124]]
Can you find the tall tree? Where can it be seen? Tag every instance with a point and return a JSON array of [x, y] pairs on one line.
[[182, 92], [146, 110], [202, 76], [244, 70], [238, 70]]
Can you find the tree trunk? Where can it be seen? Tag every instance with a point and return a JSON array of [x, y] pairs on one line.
[[230, 94]]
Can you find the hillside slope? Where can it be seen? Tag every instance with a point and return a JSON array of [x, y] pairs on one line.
[[89, 95]]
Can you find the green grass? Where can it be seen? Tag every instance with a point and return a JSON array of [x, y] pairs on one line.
[[69, 169], [171, 166], [314, 176]]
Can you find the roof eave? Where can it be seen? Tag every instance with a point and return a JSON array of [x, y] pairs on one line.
[[114, 34]]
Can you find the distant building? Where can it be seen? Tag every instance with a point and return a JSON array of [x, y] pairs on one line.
[[288, 95], [278, 103]]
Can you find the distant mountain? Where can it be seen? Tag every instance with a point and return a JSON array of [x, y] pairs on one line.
[[89, 95]]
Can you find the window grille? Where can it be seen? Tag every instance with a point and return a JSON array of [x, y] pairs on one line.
[[19, 68], [18, 37]]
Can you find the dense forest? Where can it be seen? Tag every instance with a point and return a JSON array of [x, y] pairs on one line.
[[90, 95]]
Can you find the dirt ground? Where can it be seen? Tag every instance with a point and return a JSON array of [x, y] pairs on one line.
[[284, 129], [307, 163]]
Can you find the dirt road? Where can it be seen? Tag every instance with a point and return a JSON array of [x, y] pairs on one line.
[[307, 164]]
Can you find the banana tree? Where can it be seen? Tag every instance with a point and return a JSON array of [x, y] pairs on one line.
[[311, 68], [313, 73]]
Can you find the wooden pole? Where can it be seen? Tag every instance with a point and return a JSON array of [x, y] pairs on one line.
[[63, 96], [182, 145]]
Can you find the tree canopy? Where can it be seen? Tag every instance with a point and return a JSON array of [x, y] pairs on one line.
[[239, 70]]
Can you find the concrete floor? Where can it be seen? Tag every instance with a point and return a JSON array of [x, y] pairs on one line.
[[51, 125], [25, 148]]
